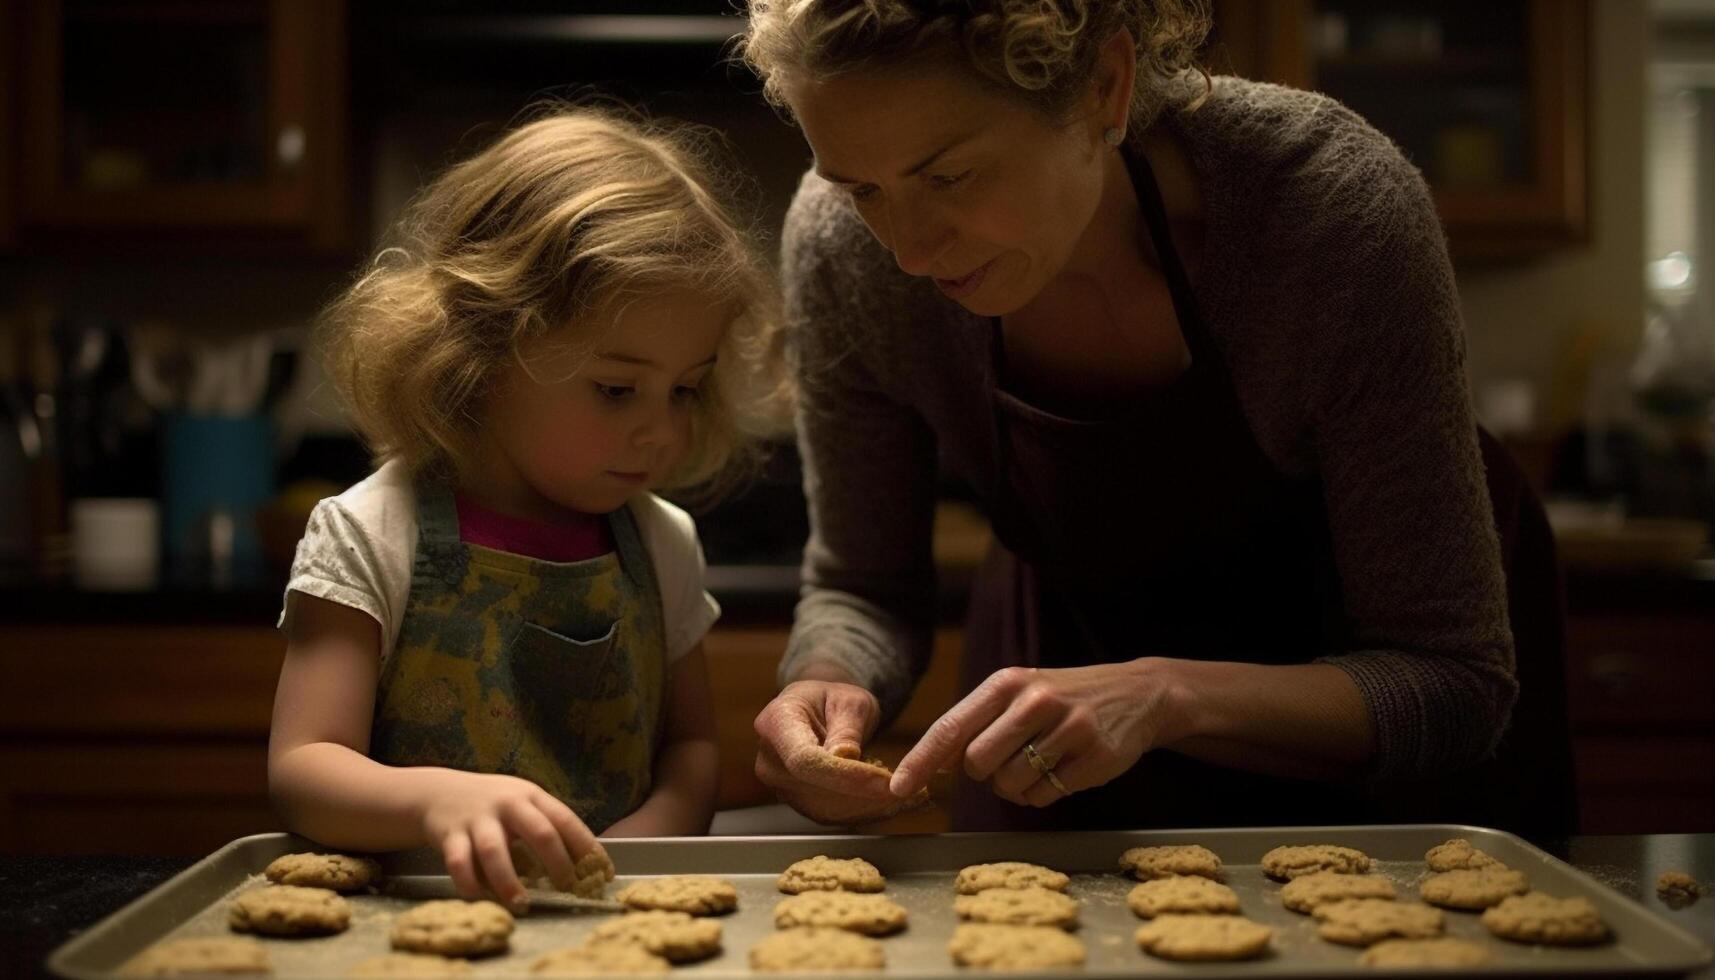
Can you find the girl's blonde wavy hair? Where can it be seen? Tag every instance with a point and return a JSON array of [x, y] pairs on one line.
[[1043, 51], [562, 218]]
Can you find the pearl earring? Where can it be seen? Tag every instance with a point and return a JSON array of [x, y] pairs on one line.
[[1113, 135]]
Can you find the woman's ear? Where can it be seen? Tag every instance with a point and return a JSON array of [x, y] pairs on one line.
[[1114, 77]]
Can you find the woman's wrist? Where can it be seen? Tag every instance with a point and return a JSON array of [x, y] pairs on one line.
[[1175, 699], [827, 671]]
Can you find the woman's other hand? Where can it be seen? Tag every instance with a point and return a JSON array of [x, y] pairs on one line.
[[803, 737], [1086, 724]]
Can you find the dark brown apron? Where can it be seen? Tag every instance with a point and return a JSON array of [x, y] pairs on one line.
[[1164, 531]]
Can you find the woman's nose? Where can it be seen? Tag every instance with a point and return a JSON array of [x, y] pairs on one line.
[[919, 240]]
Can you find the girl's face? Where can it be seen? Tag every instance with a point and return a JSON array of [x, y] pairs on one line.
[[976, 189], [589, 433]]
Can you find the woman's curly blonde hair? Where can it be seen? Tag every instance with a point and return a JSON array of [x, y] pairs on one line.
[[563, 217], [1041, 50]]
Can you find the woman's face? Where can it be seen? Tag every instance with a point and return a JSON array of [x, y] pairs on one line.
[[963, 183]]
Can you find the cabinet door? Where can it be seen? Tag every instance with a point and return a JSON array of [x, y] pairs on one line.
[[1487, 98], [223, 115]]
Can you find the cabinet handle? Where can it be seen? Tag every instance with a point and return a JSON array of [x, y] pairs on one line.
[[1614, 673], [290, 146]]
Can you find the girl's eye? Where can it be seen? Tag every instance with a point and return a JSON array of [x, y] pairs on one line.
[[942, 181], [615, 392], [861, 192]]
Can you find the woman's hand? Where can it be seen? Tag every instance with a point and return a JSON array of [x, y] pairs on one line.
[[474, 817], [803, 736], [1088, 725]]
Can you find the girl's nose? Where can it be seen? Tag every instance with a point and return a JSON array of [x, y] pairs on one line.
[[656, 428]]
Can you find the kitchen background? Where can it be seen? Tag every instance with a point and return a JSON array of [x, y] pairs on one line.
[[184, 182]]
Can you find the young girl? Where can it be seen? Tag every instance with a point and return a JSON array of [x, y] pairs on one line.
[[497, 636]]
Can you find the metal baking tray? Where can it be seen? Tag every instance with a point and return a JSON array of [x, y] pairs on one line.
[[920, 870]]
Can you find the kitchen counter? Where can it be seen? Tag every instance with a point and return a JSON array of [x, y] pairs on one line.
[[44, 901]]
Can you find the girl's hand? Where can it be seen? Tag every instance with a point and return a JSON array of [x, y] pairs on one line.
[[1088, 724], [473, 817], [803, 733]]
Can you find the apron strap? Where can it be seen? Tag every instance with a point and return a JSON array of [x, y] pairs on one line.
[[1154, 211], [439, 555]]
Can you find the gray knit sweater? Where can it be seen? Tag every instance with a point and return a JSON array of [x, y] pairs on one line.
[[1326, 287]]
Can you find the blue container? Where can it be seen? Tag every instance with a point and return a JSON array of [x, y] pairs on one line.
[[215, 472]]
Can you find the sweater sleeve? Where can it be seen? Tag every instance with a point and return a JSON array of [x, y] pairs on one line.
[[1395, 444], [869, 458]]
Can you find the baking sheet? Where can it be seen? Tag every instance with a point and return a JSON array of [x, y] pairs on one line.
[[920, 870]]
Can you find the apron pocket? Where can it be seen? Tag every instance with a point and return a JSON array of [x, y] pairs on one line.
[[545, 662]]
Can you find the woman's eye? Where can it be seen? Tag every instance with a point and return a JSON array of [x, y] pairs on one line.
[[942, 181], [615, 392], [687, 393]]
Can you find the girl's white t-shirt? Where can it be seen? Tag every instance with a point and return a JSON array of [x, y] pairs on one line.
[[358, 549]]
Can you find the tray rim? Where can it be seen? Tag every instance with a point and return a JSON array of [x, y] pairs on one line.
[[64, 960]]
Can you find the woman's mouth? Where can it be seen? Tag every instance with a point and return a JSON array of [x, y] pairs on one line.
[[966, 284]]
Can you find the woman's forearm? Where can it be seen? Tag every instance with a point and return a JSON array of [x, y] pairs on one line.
[[1302, 720], [682, 803], [340, 797]]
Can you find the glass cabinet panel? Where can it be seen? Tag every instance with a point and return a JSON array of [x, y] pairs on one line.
[[164, 94]]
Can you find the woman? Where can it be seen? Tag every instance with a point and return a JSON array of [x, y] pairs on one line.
[[1195, 345]]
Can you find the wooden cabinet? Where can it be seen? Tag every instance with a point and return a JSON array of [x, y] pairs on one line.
[[1489, 99], [202, 123], [1641, 690], [153, 739]]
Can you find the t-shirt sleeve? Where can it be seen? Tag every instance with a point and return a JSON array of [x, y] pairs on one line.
[[357, 551], [688, 610]]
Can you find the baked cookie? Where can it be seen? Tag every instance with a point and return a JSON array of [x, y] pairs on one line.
[[1019, 907], [813, 948], [1003, 947], [191, 956], [591, 872], [1363, 921], [1457, 854], [1204, 938], [872, 915], [410, 965], [339, 872], [696, 894], [1298, 860], [1183, 895], [289, 910], [825, 874], [1146, 863], [453, 927], [1677, 889], [1472, 890], [1304, 893], [599, 959], [1440, 951], [1536, 917], [1008, 874], [676, 936]]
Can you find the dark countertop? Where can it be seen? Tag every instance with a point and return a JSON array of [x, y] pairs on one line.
[[45, 901]]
